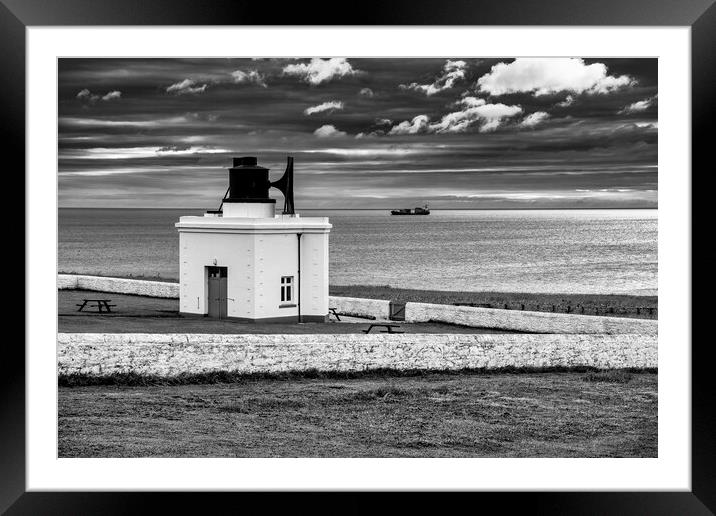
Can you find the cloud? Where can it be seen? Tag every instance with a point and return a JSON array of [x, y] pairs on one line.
[[250, 77], [366, 92], [83, 94], [112, 95], [383, 124], [470, 102], [326, 106], [86, 95], [202, 117], [187, 86], [475, 111], [637, 107], [373, 152], [452, 72], [419, 124], [568, 101], [328, 131], [320, 70], [543, 76], [116, 153], [174, 148], [534, 119], [143, 148], [371, 134], [71, 121]]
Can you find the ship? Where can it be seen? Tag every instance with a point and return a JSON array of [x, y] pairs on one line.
[[407, 211]]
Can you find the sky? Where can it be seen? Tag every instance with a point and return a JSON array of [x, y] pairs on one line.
[[498, 133]]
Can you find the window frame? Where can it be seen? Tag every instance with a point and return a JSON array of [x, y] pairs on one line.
[[287, 283]]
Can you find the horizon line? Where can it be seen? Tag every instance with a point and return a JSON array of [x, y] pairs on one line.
[[366, 209]]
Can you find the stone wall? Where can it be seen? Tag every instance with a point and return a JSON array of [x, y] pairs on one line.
[[371, 308], [67, 281], [172, 354], [537, 322], [118, 285]]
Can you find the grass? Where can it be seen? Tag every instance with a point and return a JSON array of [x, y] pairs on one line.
[[592, 304], [613, 376], [214, 377], [421, 414], [96, 323]]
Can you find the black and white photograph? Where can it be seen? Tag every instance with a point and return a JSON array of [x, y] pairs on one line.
[[357, 257]]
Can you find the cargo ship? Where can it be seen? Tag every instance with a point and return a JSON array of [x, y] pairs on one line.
[[407, 211]]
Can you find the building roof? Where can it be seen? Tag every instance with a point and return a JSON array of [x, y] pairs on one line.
[[278, 224]]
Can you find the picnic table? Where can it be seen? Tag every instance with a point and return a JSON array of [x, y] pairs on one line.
[[100, 304], [388, 328], [333, 311]]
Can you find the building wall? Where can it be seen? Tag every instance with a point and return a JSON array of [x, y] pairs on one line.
[[257, 210], [255, 263], [233, 251], [173, 354], [314, 274], [276, 256]]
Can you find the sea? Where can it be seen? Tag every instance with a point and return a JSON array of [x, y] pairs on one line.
[[538, 251]]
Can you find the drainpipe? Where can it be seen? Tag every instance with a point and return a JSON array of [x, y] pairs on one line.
[[298, 282]]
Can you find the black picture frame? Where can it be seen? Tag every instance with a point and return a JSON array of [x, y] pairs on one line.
[[17, 15]]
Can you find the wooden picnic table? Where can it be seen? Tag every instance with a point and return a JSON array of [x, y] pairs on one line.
[[333, 311], [388, 328], [100, 304]]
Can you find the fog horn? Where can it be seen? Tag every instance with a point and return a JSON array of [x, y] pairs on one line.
[[285, 184]]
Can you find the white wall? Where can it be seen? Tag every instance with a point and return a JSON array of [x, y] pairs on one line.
[[233, 251], [67, 281], [119, 285], [276, 255], [314, 274], [255, 263], [173, 354], [516, 320], [378, 308], [259, 210]]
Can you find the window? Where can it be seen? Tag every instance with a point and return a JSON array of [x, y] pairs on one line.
[[217, 272], [286, 289]]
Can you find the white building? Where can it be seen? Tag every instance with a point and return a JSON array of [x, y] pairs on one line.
[[244, 262]]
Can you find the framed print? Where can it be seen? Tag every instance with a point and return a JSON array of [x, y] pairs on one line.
[[442, 248]]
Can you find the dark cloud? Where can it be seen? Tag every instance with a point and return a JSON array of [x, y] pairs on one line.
[[168, 137]]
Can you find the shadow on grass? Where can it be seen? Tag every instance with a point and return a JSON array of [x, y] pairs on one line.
[[215, 377], [611, 376]]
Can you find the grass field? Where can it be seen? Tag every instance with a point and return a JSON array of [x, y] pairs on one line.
[[571, 414]]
